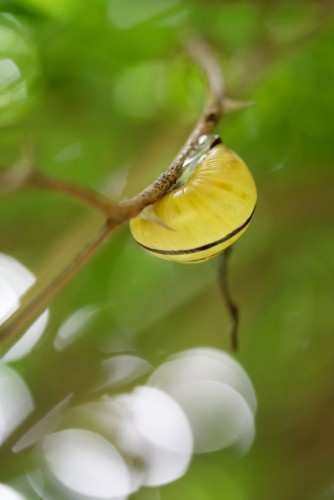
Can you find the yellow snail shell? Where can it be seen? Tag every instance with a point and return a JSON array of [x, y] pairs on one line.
[[203, 216]]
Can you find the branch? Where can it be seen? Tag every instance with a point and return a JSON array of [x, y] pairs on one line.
[[35, 300], [209, 119], [224, 284], [86, 196]]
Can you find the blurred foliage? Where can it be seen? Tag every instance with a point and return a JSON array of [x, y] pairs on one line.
[[107, 94]]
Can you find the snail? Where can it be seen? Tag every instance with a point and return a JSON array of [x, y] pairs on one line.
[[205, 211]]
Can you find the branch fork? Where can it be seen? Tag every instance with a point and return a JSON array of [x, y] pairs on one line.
[[24, 175]]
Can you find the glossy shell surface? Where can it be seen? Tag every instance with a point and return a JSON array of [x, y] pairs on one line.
[[205, 215]]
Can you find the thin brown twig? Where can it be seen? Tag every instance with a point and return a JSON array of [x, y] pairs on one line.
[[211, 115], [86, 196], [232, 308], [33, 303], [35, 300]]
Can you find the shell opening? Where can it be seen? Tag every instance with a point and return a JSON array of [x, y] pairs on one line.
[[191, 163]]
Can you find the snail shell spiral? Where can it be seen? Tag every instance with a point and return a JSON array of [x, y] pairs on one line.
[[203, 216]]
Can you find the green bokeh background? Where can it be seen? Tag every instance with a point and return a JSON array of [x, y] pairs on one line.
[[109, 97]]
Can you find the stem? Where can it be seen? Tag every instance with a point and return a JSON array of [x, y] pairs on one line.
[[86, 196], [35, 301], [232, 308], [211, 115]]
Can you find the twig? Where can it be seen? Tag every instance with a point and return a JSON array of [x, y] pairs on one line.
[[34, 301], [232, 308], [84, 195], [211, 115]]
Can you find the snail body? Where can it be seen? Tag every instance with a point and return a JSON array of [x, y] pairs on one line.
[[205, 214]]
